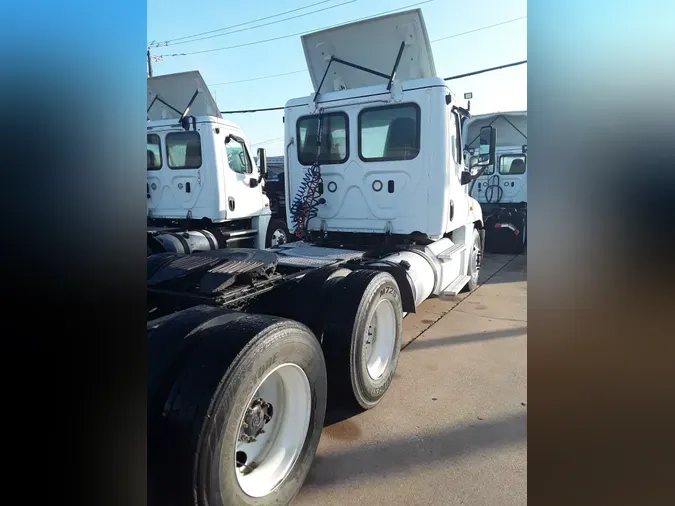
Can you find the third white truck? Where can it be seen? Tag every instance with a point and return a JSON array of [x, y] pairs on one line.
[[501, 188]]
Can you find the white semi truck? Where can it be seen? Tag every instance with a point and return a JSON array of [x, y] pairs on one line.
[[205, 190], [501, 188], [245, 345]]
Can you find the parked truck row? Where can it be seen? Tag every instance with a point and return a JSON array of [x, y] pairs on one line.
[[247, 343]]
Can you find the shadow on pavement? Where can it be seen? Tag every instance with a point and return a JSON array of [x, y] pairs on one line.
[[417, 451], [464, 338]]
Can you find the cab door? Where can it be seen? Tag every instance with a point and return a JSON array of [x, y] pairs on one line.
[[242, 181]]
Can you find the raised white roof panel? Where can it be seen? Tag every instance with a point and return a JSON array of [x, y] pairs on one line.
[[372, 43], [177, 91], [511, 128]]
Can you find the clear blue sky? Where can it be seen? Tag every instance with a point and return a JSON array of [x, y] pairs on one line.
[[169, 19]]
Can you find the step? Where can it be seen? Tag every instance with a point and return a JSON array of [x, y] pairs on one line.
[[231, 234], [449, 253], [455, 287]]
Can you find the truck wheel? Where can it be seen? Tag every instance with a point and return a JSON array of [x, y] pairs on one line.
[[475, 260], [277, 234], [242, 421], [362, 337]]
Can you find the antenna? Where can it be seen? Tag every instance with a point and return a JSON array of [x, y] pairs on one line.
[[183, 117]]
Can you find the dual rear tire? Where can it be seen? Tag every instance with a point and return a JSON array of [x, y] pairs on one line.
[[236, 402], [362, 337], [357, 317]]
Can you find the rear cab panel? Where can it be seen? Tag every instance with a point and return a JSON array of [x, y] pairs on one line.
[[379, 157]]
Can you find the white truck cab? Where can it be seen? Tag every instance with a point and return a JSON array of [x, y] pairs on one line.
[[390, 146], [200, 170], [506, 180], [501, 188]]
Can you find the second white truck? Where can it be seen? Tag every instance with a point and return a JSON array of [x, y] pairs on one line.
[[205, 186]]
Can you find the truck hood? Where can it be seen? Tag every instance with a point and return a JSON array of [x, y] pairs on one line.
[[372, 43], [177, 91]]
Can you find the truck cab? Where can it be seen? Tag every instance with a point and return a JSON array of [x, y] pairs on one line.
[[204, 168], [204, 182], [501, 188], [385, 132], [505, 182]]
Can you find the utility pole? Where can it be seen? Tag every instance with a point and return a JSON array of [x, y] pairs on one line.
[[149, 63]]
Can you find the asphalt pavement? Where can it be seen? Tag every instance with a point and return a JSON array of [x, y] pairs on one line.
[[452, 429]]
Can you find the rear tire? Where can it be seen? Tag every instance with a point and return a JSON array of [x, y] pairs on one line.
[[475, 260], [362, 336], [195, 436], [277, 234]]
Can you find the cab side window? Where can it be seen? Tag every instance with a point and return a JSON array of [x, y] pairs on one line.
[[237, 156], [513, 165], [154, 152], [389, 133], [183, 150]]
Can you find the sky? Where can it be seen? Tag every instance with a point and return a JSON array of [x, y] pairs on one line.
[[502, 90]]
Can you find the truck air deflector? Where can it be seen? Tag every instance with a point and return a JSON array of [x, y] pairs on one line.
[[371, 50]]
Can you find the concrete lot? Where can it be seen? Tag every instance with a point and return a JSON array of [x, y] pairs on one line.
[[453, 427]]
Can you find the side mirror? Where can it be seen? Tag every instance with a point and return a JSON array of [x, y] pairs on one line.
[[253, 182], [486, 149], [466, 177], [262, 162]]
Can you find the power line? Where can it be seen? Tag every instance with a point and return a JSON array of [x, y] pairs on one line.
[[295, 34], [445, 79], [259, 78], [268, 141], [260, 26], [480, 29], [435, 40], [166, 42], [254, 110], [485, 70]]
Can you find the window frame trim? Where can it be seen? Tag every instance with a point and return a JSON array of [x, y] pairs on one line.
[[161, 160], [168, 158], [458, 139], [513, 155], [418, 133], [347, 138], [242, 142]]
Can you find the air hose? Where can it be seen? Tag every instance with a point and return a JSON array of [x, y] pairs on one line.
[[492, 183], [305, 205]]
